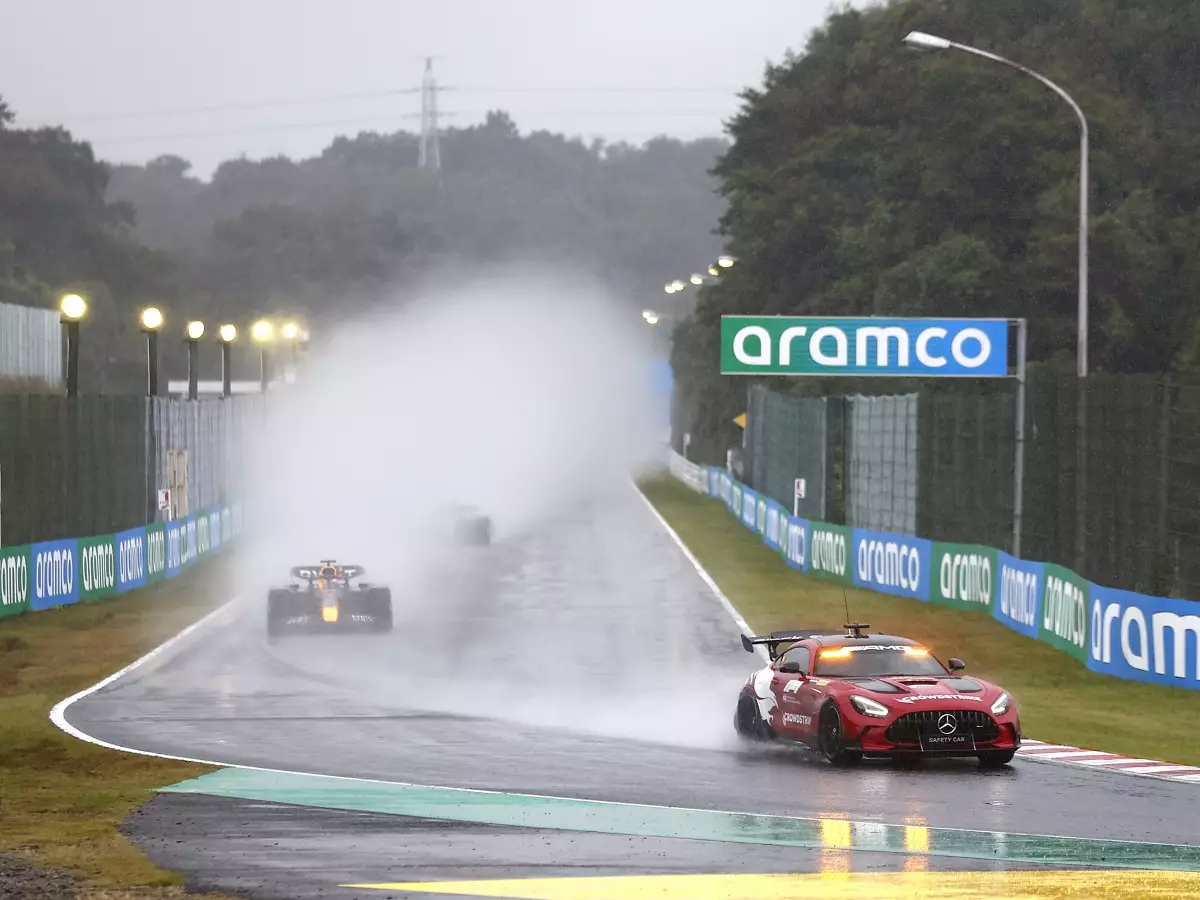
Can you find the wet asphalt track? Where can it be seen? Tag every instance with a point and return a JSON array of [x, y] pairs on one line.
[[588, 660]]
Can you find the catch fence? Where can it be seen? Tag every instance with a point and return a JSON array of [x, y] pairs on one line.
[[94, 464], [1113, 493]]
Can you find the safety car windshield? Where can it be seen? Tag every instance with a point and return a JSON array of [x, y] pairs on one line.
[[875, 660]]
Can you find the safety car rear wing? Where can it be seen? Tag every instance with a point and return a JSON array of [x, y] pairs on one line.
[[775, 638]]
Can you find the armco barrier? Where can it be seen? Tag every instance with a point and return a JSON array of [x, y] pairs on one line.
[[58, 573], [1131, 636]]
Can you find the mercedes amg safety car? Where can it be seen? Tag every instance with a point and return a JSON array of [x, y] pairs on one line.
[[321, 599], [856, 694]]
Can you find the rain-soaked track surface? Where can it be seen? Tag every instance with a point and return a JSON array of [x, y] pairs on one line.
[[537, 673]]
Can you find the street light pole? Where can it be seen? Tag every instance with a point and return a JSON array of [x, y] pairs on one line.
[[227, 333], [195, 331], [72, 309], [924, 41], [263, 332], [152, 320]]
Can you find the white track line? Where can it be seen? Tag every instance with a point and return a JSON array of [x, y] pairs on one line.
[[58, 713], [700, 570]]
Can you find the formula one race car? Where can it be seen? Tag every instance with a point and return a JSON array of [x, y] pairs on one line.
[[470, 526], [325, 601], [854, 694]]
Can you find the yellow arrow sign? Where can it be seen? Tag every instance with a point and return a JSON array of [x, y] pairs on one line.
[[740, 421], [1012, 885]]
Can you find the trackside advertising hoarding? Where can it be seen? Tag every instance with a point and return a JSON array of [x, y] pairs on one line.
[[50, 574], [830, 552], [14, 580], [808, 345], [54, 566], [1120, 633], [1019, 588], [1143, 638], [97, 567], [963, 576], [892, 563], [131, 559]]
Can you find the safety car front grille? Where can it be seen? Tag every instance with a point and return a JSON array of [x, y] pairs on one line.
[[908, 728]]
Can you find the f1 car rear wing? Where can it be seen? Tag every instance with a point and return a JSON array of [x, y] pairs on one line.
[[326, 570], [775, 638]]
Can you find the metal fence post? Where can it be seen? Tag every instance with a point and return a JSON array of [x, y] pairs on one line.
[[1019, 447]]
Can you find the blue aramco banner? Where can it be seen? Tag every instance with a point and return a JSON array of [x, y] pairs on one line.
[[1020, 585], [892, 563], [55, 574], [750, 508], [131, 559], [176, 532], [795, 542], [1144, 638]]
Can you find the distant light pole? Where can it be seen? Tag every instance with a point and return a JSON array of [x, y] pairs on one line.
[[262, 333], [72, 308], [290, 332], [195, 331], [922, 41], [227, 334], [152, 320]]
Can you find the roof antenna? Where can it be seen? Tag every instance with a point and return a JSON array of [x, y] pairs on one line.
[[855, 629]]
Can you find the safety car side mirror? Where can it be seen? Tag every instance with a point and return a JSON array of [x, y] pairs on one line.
[[957, 665], [791, 668]]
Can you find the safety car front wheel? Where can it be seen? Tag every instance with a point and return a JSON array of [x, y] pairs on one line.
[[831, 738]]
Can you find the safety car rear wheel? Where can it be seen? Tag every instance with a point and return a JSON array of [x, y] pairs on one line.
[[747, 721], [831, 738]]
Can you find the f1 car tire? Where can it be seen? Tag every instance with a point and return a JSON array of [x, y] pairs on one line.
[[747, 722], [277, 612], [381, 608], [831, 738], [996, 759]]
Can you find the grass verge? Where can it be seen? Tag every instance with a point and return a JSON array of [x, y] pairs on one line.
[[1059, 699], [61, 799]]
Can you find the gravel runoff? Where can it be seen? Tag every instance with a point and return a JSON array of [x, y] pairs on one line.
[[20, 880]]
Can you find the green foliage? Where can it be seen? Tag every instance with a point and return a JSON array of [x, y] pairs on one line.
[[866, 178], [362, 216]]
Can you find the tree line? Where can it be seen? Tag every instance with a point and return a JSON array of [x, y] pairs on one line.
[[324, 237], [865, 178]]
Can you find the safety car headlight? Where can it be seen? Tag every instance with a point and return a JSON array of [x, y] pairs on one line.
[[1000, 707], [869, 707]]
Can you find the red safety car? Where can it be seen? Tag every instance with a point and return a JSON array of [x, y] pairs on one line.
[[857, 694]]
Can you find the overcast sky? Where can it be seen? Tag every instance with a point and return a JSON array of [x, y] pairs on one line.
[[129, 75]]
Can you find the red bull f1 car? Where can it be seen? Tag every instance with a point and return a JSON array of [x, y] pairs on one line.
[[846, 696], [321, 599]]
